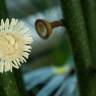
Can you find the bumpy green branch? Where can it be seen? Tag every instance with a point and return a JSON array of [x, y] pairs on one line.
[[79, 40], [89, 11]]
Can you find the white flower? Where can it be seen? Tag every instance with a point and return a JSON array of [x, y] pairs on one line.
[[15, 44]]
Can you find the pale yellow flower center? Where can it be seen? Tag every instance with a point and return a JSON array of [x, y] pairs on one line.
[[11, 45], [8, 46]]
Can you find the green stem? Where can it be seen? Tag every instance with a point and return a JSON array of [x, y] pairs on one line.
[[89, 11], [19, 81], [79, 41], [8, 85]]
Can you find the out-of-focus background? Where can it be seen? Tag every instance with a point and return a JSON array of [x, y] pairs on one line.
[[50, 69]]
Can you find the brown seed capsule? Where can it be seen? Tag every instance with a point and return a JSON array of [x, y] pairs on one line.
[[44, 28]]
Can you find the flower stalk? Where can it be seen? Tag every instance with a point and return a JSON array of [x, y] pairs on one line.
[[77, 32], [89, 13]]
